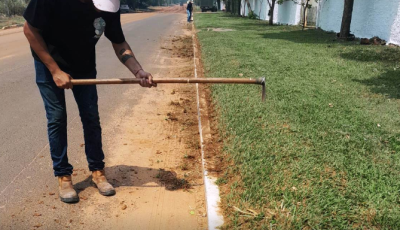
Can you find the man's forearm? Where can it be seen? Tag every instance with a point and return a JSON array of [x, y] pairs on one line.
[[126, 56], [39, 46]]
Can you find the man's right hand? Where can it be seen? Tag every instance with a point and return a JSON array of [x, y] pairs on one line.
[[62, 80]]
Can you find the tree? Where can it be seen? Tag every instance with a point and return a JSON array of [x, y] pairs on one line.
[[271, 4], [346, 19], [12, 7], [306, 5]]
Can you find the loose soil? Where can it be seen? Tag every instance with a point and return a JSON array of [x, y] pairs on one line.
[[161, 187]]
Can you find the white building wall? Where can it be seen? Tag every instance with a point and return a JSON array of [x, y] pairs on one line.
[[395, 31], [264, 10], [260, 8], [288, 13], [370, 18]]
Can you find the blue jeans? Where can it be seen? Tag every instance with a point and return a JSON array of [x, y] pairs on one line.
[[189, 15], [56, 113]]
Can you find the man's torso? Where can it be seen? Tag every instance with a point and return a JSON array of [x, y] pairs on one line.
[[71, 31]]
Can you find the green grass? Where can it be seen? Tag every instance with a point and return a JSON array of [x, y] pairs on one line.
[[324, 150], [8, 21]]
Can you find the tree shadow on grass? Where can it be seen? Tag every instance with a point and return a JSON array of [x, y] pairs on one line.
[[135, 176], [295, 34], [388, 84], [386, 55], [234, 22]]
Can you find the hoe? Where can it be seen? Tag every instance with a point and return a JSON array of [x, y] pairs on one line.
[[258, 81]]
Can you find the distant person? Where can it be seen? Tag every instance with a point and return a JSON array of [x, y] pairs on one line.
[[189, 10], [63, 35]]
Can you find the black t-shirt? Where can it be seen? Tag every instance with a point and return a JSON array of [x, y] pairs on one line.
[[71, 30], [189, 6]]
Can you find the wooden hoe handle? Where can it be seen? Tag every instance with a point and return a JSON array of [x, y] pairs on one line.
[[258, 81]]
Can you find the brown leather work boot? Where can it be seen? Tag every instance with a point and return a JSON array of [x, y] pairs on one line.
[[66, 190], [100, 180]]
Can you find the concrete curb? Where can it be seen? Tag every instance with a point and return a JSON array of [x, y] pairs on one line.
[[214, 215]]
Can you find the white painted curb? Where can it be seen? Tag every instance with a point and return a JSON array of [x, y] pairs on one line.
[[214, 215]]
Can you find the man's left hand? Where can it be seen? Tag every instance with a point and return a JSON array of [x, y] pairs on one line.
[[146, 79]]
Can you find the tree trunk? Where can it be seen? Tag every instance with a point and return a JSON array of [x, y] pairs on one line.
[[305, 14], [228, 6], [271, 11], [346, 20]]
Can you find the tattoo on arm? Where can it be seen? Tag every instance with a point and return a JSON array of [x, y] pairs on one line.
[[122, 51], [125, 57]]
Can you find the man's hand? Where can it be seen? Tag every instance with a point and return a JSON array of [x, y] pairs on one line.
[[62, 79], [146, 79], [126, 56]]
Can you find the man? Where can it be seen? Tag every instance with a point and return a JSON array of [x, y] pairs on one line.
[[62, 35], [189, 10]]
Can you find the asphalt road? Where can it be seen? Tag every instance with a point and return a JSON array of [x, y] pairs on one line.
[[23, 135]]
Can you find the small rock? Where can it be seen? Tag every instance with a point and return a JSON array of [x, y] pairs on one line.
[[240, 75], [51, 193], [123, 207], [331, 105], [37, 214], [37, 225]]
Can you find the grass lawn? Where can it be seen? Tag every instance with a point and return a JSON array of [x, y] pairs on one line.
[[8, 21], [324, 150]]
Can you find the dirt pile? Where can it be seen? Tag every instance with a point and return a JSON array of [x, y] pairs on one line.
[[372, 41]]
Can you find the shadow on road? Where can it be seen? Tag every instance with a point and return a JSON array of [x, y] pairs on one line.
[[135, 176]]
